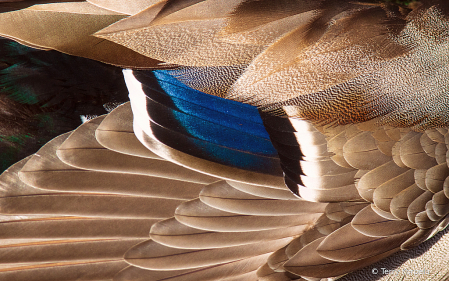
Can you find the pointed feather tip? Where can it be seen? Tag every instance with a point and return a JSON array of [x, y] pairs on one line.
[[347, 244], [141, 20], [309, 264]]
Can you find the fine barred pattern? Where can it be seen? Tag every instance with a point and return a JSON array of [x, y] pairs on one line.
[[268, 140]]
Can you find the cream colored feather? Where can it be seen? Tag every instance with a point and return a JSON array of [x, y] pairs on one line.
[[352, 97]]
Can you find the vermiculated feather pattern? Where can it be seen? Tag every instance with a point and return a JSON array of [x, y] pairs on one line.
[[270, 140]]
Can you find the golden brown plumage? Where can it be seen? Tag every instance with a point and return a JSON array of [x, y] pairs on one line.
[[352, 119]]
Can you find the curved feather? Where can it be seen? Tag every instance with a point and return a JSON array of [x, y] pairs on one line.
[[129, 8], [369, 176], [61, 17]]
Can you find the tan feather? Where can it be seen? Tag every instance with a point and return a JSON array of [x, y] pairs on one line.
[[300, 242], [446, 187], [335, 145], [104, 182], [47, 171], [383, 195], [199, 215], [380, 135], [413, 155], [431, 214], [139, 20], [295, 52], [351, 131], [83, 151], [440, 153], [428, 145], [376, 177], [362, 147], [420, 178], [335, 211], [385, 147], [326, 226], [265, 273], [353, 208], [383, 213], [366, 194], [446, 139], [442, 131], [436, 176], [116, 133], [130, 8], [90, 205], [443, 223], [344, 193], [11, 185], [370, 223], [202, 47], [295, 245], [75, 227], [435, 135], [329, 181], [222, 196], [263, 191], [324, 167], [383, 141], [249, 15], [306, 262], [46, 158], [116, 183], [89, 250], [423, 221], [172, 233], [222, 272], [277, 260], [393, 133], [152, 255], [418, 205], [396, 154], [420, 236], [97, 270], [173, 6], [368, 126], [400, 203], [62, 17], [440, 204], [338, 247]]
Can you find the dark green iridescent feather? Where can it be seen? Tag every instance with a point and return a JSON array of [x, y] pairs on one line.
[[46, 93]]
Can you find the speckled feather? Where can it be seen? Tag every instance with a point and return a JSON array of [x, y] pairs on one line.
[[344, 164]]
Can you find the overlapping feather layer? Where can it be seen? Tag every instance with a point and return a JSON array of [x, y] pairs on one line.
[[82, 207], [370, 161]]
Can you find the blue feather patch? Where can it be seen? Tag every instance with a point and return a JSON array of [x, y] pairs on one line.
[[205, 126]]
